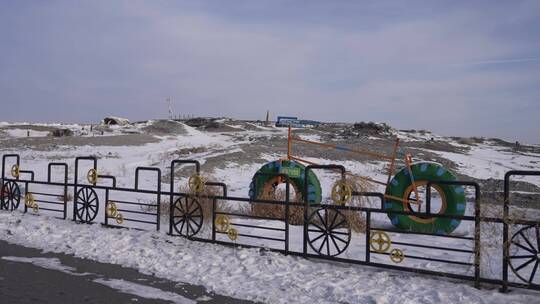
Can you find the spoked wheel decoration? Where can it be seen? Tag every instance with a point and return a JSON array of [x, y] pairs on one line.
[[525, 253], [329, 232], [379, 241], [87, 204], [11, 196], [341, 192], [187, 216]]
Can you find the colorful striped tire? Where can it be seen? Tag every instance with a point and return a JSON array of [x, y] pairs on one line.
[[452, 199], [295, 171]]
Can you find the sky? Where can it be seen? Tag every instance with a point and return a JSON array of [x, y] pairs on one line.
[[457, 68]]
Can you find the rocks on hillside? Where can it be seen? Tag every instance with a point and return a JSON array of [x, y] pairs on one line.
[[61, 132], [366, 128], [113, 120], [165, 127]]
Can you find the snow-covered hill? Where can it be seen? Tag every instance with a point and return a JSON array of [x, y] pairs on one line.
[[231, 152]]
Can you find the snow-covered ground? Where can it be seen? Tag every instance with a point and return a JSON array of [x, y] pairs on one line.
[[488, 161], [250, 273], [242, 273], [26, 133]]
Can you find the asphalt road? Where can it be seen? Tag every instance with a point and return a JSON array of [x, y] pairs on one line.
[[75, 280]]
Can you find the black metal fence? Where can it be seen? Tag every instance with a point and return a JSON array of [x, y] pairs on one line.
[[322, 230]]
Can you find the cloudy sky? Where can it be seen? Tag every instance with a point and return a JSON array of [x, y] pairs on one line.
[[453, 67]]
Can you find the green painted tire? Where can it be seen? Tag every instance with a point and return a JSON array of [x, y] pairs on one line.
[[295, 171], [453, 200]]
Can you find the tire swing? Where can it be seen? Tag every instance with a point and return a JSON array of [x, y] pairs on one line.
[[452, 199], [266, 185]]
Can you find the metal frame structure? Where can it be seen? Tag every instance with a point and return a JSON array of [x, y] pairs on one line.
[[393, 158], [323, 223]]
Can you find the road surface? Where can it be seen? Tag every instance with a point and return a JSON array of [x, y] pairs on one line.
[[28, 275]]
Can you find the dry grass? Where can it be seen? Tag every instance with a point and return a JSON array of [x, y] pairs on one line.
[[202, 198], [355, 219], [69, 197], [491, 240], [296, 213]]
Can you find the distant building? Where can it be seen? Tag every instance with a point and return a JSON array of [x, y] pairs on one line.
[[310, 123], [289, 121], [286, 121]]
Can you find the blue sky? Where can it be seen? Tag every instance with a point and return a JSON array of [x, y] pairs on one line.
[[469, 68]]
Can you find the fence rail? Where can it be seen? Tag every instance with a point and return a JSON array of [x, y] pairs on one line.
[[324, 231]]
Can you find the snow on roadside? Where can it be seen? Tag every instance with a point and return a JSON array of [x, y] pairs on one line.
[[47, 263], [144, 291], [243, 273]]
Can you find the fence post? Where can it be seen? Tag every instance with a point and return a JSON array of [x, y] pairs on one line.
[[287, 188], [368, 236], [477, 235], [506, 246], [214, 219]]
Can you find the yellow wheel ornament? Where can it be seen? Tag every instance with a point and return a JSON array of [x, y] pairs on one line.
[[397, 255], [15, 171], [119, 219], [112, 210], [232, 234], [341, 192], [196, 183], [92, 176], [380, 242], [222, 223], [29, 200]]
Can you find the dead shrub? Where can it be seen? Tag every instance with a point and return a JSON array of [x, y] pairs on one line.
[[203, 199], [491, 240], [188, 151], [69, 197], [355, 219], [296, 213]]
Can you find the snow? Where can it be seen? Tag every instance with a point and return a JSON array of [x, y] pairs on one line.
[[270, 127], [249, 274], [196, 138], [237, 176], [144, 291], [204, 298], [311, 137], [487, 161], [47, 263], [417, 136], [25, 133], [122, 161]]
